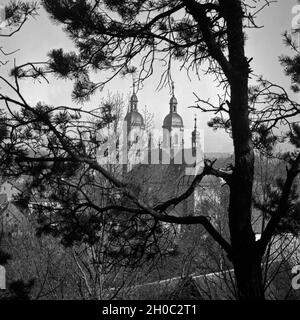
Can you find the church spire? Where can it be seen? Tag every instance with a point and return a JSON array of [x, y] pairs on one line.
[[173, 119], [133, 87], [195, 137], [173, 100], [133, 117], [133, 100]]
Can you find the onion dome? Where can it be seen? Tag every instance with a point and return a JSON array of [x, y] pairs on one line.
[[173, 119], [133, 117]]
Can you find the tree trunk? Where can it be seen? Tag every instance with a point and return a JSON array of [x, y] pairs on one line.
[[245, 258], [248, 275]]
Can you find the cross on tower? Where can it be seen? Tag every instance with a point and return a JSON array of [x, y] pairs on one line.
[[173, 88]]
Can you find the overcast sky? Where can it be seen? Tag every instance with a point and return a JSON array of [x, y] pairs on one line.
[[264, 45]]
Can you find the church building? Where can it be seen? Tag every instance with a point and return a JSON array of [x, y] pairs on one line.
[[162, 165]]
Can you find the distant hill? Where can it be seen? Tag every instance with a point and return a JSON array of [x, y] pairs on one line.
[[223, 159], [218, 155]]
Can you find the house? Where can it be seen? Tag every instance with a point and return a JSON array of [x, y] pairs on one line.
[[12, 220], [13, 187], [9, 189]]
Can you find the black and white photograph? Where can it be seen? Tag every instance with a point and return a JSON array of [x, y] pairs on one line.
[[149, 151]]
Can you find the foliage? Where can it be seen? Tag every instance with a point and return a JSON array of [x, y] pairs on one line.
[[92, 202]]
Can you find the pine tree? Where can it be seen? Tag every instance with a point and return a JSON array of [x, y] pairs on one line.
[[109, 36]]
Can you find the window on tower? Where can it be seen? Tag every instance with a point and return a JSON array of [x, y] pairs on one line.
[[176, 139]]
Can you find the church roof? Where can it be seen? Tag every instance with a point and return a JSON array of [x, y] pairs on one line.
[[134, 118], [157, 183], [173, 120], [173, 100], [134, 98]]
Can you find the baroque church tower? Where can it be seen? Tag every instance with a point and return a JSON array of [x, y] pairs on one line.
[[197, 148], [141, 149], [173, 126], [135, 130], [173, 129]]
